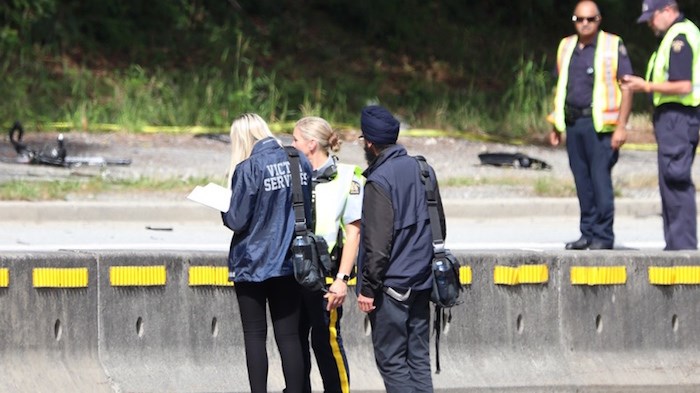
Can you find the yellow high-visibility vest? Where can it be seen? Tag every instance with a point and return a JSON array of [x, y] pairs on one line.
[[657, 69], [606, 90], [332, 204]]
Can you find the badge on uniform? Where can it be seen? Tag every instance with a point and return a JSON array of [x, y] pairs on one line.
[[622, 50], [354, 188], [677, 45]]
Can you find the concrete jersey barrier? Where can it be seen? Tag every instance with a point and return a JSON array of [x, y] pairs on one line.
[[529, 322]]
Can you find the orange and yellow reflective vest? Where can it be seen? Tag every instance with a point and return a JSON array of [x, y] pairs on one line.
[[606, 90]]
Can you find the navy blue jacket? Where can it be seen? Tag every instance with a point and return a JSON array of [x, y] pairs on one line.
[[261, 214], [397, 245]]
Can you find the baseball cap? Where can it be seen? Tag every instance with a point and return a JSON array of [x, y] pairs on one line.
[[651, 6]]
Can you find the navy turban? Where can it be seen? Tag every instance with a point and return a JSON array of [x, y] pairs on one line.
[[378, 125]]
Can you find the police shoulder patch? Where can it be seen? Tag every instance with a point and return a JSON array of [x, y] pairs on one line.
[[354, 188], [677, 45]]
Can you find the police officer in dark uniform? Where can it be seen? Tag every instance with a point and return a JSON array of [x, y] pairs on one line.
[[593, 110], [672, 77]]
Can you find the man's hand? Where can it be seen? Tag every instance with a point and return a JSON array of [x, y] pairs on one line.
[[619, 137], [336, 294], [365, 303], [555, 138], [635, 83]]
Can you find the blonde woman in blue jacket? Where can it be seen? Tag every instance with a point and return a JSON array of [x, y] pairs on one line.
[[262, 220], [337, 209]]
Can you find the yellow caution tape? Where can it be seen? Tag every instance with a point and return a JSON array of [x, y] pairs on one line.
[[4, 277], [208, 276], [598, 275], [640, 146], [288, 127], [523, 274], [675, 275], [74, 277], [181, 130], [120, 276]]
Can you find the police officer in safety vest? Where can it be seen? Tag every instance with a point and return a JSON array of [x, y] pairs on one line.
[[592, 109], [673, 82], [338, 193]]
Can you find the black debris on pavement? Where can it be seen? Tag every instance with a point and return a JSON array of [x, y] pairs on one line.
[[515, 160], [216, 137], [55, 155]]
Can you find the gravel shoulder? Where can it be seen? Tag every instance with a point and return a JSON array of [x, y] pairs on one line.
[[456, 161]]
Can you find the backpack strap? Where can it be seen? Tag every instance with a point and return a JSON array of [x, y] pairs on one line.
[[297, 194], [438, 246], [430, 194]]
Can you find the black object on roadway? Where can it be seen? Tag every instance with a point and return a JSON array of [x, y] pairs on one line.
[[516, 160], [54, 155]]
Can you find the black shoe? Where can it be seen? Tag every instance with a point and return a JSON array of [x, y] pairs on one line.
[[600, 245], [580, 244]]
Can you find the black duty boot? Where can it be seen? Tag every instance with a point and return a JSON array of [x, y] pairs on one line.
[[580, 244], [600, 245]]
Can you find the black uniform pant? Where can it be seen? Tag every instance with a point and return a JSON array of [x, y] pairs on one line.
[[591, 159], [327, 342], [401, 338], [676, 129], [284, 297]]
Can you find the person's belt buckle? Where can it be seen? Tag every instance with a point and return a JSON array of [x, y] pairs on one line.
[[396, 295], [571, 114]]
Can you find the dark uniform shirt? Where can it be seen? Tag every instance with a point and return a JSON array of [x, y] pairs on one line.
[[579, 90], [680, 64], [680, 60]]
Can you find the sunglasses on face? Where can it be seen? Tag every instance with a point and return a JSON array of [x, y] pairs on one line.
[[589, 19]]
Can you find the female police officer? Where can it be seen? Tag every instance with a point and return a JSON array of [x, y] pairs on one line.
[[337, 211]]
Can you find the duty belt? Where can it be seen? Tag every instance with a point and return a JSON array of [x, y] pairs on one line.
[[571, 113]]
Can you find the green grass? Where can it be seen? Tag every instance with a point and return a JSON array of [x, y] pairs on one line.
[[44, 93], [61, 189], [554, 188], [540, 186]]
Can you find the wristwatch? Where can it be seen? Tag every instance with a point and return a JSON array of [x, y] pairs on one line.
[[343, 277]]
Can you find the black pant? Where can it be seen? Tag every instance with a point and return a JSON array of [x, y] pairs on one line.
[[326, 341], [676, 129], [591, 159], [401, 338], [283, 295]]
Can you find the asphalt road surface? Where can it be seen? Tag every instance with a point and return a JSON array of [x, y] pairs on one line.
[[526, 233]]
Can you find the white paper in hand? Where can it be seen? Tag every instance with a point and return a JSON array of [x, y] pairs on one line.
[[212, 195]]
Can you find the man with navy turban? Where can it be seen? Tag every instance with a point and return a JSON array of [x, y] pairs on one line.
[[394, 271]]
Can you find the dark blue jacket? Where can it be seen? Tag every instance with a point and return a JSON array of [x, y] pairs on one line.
[[261, 214], [397, 244]]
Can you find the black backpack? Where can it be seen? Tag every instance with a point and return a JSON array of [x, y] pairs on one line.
[[445, 267], [309, 252]]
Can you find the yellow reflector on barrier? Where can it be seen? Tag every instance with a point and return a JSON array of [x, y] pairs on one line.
[[598, 275], [523, 274], [351, 282], [208, 275], [72, 277], [465, 275], [675, 275], [4, 277], [136, 276]]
